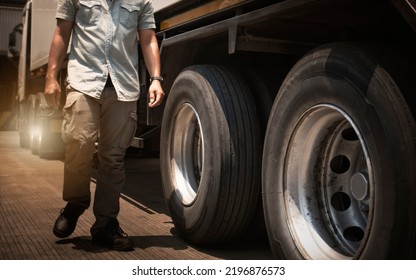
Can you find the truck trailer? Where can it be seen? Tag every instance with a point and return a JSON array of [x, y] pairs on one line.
[[291, 119]]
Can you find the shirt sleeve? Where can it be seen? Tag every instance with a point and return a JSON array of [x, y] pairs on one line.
[[66, 10], [147, 19]]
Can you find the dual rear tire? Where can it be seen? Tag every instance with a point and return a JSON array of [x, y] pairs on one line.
[[338, 160]]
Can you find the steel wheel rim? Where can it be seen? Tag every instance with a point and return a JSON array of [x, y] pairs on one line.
[[187, 153], [328, 190]]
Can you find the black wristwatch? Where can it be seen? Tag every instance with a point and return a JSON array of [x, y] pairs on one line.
[[158, 78]]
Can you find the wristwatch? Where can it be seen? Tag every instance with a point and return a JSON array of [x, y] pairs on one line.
[[158, 78]]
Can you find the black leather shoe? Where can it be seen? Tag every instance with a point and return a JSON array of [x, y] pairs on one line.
[[67, 221], [113, 237]]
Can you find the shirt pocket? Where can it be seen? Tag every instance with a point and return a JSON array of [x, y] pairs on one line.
[[89, 12], [129, 15]]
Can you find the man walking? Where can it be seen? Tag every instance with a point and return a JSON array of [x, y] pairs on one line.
[[102, 90]]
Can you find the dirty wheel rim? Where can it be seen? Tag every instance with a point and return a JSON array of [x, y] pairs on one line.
[[328, 186], [187, 153]]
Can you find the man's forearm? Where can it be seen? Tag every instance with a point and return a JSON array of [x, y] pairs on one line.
[[57, 55], [58, 49], [150, 49]]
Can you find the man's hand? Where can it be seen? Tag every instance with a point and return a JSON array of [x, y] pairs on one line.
[[156, 94], [52, 93]]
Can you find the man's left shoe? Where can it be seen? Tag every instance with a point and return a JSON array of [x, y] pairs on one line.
[[113, 237]]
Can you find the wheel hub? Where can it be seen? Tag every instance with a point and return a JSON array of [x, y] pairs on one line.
[[327, 185]]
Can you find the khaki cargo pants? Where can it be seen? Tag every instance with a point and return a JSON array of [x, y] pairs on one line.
[[86, 118]]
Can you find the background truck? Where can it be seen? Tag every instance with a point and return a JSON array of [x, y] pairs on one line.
[[10, 17], [294, 118]]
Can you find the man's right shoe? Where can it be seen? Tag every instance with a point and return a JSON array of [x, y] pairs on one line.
[[113, 237], [67, 221]]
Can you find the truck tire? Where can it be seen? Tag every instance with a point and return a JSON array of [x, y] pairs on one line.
[[33, 105], [49, 123], [50, 144], [339, 160], [210, 155], [24, 139], [44, 129]]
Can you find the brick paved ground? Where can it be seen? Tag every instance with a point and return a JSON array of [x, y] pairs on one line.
[[30, 201]]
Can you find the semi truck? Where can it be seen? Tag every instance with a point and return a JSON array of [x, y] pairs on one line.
[[291, 119], [10, 16]]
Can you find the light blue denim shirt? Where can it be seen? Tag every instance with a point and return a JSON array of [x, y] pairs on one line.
[[105, 43]]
